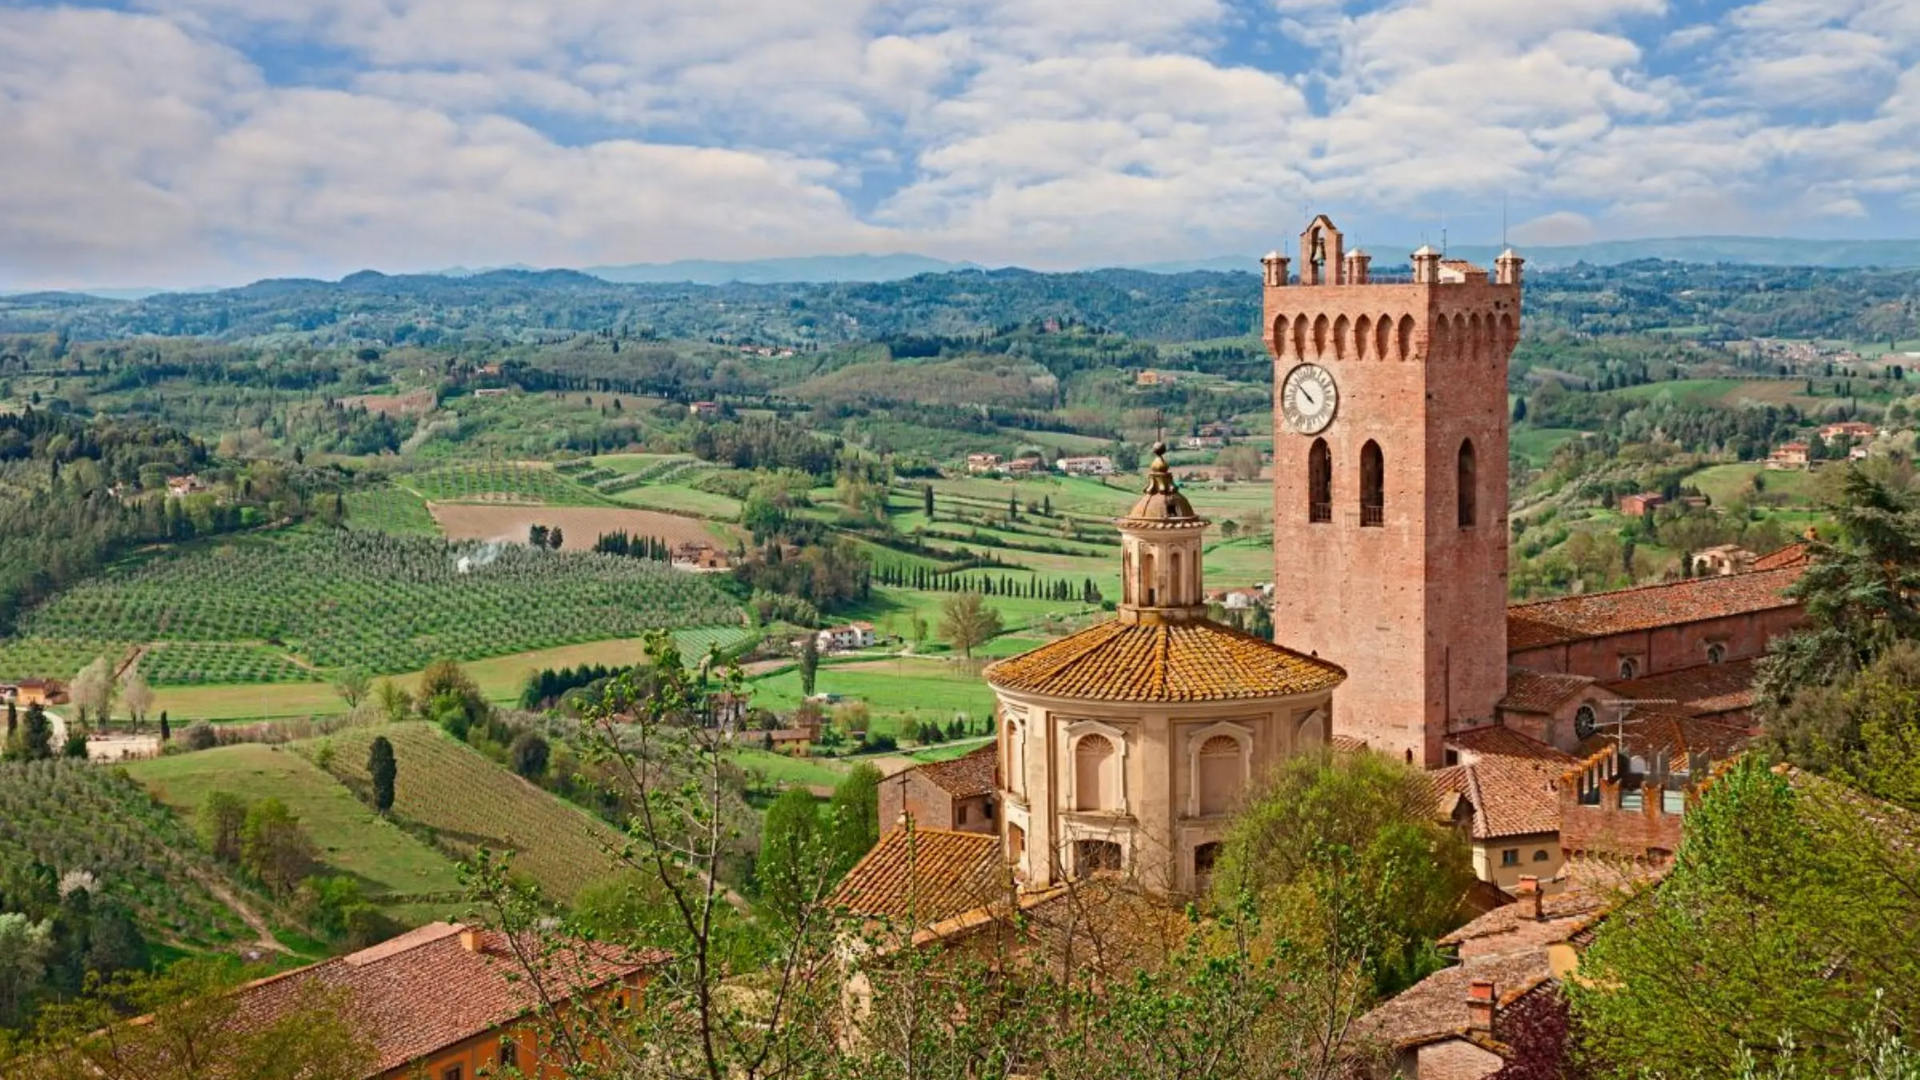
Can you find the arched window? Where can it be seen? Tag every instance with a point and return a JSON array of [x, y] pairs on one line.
[[1176, 581], [1016, 760], [1373, 483], [1716, 653], [1311, 734], [1319, 483], [1222, 774], [1016, 846], [1204, 858], [1146, 580], [1629, 667], [1094, 785], [1126, 578], [1466, 478], [1585, 721]]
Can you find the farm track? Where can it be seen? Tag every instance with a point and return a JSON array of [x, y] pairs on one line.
[[218, 889]]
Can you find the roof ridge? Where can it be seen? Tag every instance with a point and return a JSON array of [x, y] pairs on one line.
[[1656, 585]]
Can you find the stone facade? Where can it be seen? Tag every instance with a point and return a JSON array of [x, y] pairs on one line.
[[1407, 589], [1662, 649], [954, 795]]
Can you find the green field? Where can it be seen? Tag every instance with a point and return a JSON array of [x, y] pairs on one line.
[[899, 693], [501, 481], [468, 802], [785, 770], [1726, 483], [390, 509], [1535, 446], [499, 678], [1682, 391], [398, 872], [340, 598]]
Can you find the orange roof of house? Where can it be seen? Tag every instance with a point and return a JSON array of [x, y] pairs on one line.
[[1531, 691], [1195, 661], [1650, 731], [1703, 688], [1591, 615], [1510, 784], [424, 990], [966, 776], [1436, 1007], [1512, 928], [923, 876], [1797, 554]]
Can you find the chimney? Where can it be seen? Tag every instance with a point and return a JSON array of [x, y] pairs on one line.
[[1530, 895], [1480, 1006], [470, 940]]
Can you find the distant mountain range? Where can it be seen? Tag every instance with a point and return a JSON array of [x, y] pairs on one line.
[[821, 269]]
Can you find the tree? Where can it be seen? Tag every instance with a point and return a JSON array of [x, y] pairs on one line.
[[445, 682], [1241, 461], [853, 816], [555, 538], [966, 621], [394, 701], [166, 729], [92, 692], [791, 850], [1519, 410], [273, 848], [537, 536], [352, 686], [809, 662], [221, 818], [36, 735], [193, 1029], [1359, 826], [926, 495], [382, 769], [1229, 529], [137, 694], [1790, 912], [25, 946], [530, 753], [1861, 595]]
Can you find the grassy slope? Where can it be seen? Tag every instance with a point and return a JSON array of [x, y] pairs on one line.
[[899, 692], [469, 802], [391, 865]]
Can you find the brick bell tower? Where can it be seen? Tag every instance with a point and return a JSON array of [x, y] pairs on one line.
[[1390, 484]]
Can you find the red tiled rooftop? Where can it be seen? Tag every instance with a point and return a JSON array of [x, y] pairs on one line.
[[964, 777], [1792, 555], [1704, 688], [1436, 1006], [1494, 740], [1197, 661], [924, 876], [1510, 795], [1590, 615], [1540, 691], [1651, 731], [425, 990]]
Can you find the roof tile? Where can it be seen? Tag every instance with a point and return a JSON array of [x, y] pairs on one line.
[[924, 876], [1703, 688], [1120, 660], [1590, 615], [964, 777], [1531, 691]]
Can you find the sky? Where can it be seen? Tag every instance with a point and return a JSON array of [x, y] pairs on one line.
[[189, 142]]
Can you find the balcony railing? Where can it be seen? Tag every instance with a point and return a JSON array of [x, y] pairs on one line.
[[1373, 517], [1320, 513]]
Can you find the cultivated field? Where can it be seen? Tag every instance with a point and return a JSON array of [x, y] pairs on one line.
[[413, 403], [398, 872], [72, 816], [501, 481], [468, 802], [580, 526], [380, 603]]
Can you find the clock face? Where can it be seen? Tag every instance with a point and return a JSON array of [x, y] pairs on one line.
[[1308, 399]]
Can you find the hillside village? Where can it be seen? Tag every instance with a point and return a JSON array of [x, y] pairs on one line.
[[1375, 660]]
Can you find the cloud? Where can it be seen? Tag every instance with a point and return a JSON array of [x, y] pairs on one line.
[[194, 140]]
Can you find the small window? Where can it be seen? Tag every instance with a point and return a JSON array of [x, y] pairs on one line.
[[1629, 667], [1466, 481], [1453, 756], [1541, 855], [452, 1073], [1716, 653], [509, 1055], [1204, 857], [1373, 486], [1319, 483], [960, 814], [1585, 722], [1510, 857]]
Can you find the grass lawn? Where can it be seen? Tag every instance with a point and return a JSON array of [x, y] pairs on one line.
[[468, 802], [900, 693], [394, 868], [787, 771], [680, 499], [1726, 483], [1535, 446], [951, 750]]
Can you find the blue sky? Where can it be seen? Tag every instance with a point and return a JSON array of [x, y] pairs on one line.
[[182, 142]]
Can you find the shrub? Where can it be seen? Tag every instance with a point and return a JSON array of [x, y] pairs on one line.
[[530, 753], [199, 736]]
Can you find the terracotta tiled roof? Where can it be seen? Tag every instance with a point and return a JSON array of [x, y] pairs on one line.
[[1195, 661], [1702, 689], [1650, 731], [1494, 740], [924, 876], [1347, 744], [1511, 794], [1540, 691], [964, 777], [1793, 555], [1512, 928], [1576, 618], [425, 990], [1436, 1007]]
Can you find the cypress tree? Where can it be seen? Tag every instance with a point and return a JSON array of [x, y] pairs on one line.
[[382, 768]]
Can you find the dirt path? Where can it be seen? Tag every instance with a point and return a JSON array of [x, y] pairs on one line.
[[239, 907]]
